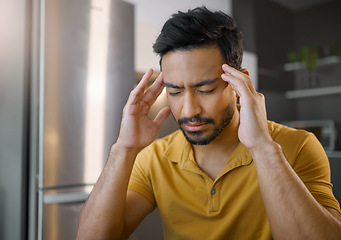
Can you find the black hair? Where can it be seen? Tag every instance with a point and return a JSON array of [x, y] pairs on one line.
[[201, 27]]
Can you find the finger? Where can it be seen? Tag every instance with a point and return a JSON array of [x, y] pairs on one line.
[[154, 91], [162, 116], [239, 86], [239, 75], [144, 80], [138, 91]]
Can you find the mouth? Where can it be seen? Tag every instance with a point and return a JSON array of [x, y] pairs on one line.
[[194, 127], [195, 124]]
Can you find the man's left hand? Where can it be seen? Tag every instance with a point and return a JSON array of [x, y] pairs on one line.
[[253, 129]]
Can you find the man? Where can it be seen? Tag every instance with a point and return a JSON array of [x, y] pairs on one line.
[[228, 173]]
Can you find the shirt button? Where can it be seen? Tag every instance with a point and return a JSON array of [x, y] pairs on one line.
[[213, 191]]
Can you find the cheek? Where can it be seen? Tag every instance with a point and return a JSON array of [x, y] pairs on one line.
[[224, 98], [220, 98]]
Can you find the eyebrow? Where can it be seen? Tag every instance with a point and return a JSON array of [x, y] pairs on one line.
[[170, 85], [199, 84]]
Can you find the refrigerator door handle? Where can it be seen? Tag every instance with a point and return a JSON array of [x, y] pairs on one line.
[[61, 198]]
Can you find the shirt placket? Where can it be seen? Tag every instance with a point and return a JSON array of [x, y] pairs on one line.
[[215, 198], [213, 192]]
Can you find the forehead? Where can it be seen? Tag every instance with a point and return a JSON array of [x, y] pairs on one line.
[[191, 66]]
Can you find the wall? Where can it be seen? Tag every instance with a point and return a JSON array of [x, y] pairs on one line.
[[13, 99], [318, 25], [150, 16], [244, 14]]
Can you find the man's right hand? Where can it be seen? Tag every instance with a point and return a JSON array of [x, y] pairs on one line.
[[137, 129]]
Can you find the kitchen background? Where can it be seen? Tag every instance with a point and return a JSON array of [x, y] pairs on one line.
[[66, 68]]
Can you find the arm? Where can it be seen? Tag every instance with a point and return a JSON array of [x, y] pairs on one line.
[[112, 212], [292, 211]]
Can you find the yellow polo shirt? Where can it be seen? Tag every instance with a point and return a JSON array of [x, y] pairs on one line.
[[193, 206]]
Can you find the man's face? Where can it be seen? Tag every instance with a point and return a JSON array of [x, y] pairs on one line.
[[201, 102]]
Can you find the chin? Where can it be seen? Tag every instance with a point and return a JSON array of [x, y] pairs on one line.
[[198, 138]]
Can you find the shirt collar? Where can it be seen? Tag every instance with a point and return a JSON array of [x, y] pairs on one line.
[[179, 149], [181, 152]]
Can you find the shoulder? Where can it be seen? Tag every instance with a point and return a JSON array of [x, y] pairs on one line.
[[289, 136], [282, 132], [295, 142]]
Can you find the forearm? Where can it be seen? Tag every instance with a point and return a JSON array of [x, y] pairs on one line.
[[111, 212], [98, 219], [292, 211]]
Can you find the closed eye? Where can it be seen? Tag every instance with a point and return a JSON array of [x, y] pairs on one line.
[[206, 92], [174, 93]]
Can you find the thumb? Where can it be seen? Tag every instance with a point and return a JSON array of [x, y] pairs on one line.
[[162, 116]]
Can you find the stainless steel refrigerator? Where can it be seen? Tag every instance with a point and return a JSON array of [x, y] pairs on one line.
[[82, 70]]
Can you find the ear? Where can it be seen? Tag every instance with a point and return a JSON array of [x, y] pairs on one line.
[[245, 71]]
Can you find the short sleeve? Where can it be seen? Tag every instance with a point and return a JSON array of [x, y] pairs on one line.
[[312, 166], [140, 180]]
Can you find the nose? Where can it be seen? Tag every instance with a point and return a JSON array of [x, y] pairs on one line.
[[191, 106]]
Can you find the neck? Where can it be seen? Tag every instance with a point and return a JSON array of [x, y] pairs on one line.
[[212, 157]]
